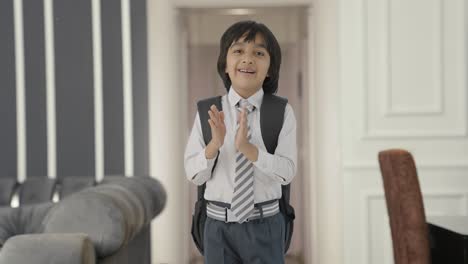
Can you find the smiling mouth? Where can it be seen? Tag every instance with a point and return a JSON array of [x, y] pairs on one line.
[[246, 71]]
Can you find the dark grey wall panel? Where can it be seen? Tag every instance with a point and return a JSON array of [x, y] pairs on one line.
[[74, 87], [112, 87], [8, 150], [140, 87], [35, 88]]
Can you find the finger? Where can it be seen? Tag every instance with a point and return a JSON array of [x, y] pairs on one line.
[[212, 124], [244, 115], [242, 123], [241, 117], [210, 113], [214, 109], [216, 113], [244, 120], [212, 118], [221, 115]]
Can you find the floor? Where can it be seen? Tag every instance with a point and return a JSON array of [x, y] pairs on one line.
[[289, 260]]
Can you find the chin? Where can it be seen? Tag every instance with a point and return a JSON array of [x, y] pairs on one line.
[[246, 87]]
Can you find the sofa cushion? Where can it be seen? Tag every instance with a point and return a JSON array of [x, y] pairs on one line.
[[22, 220], [7, 224], [7, 187], [36, 190], [73, 184]]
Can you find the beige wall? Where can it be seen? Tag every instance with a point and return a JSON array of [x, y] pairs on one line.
[[205, 26]]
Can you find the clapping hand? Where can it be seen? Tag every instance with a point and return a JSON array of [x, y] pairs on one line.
[[242, 131], [218, 128]]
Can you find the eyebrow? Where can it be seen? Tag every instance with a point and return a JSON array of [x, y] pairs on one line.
[[243, 43]]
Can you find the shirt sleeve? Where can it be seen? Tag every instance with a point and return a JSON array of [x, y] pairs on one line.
[[282, 165], [197, 166]]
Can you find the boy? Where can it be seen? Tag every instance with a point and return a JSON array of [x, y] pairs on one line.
[[243, 224]]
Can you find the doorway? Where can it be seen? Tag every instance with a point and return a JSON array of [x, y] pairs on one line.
[[204, 27]]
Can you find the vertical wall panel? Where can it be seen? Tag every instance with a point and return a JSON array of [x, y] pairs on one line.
[[140, 94], [35, 89], [74, 88], [8, 151], [112, 87], [140, 87]]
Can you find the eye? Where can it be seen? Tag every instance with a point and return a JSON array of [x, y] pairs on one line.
[[260, 53], [237, 51]]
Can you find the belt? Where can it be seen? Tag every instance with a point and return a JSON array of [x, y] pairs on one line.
[[222, 212]]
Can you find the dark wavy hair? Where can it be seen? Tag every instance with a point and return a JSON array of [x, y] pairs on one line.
[[250, 30]]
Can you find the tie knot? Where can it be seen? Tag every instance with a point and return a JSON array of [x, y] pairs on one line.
[[245, 103]]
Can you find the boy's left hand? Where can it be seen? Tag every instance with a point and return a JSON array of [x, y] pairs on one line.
[[242, 143], [241, 135]]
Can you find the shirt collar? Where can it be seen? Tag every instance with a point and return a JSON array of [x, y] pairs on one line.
[[255, 99]]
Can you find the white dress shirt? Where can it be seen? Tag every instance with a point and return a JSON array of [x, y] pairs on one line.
[[270, 171]]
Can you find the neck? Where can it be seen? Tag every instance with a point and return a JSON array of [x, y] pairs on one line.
[[245, 93]]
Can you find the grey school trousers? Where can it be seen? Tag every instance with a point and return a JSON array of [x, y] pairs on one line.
[[259, 241]]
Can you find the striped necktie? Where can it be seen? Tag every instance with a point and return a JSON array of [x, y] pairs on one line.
[[243, 198]]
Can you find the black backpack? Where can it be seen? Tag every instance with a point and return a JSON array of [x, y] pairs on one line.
[[271, 122]]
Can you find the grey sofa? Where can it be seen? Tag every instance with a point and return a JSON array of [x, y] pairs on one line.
[[106, 223]]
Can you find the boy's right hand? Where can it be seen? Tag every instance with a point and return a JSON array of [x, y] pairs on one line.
[[218, 128]]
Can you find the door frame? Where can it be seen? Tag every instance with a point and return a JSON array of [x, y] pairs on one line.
[[168, 123]]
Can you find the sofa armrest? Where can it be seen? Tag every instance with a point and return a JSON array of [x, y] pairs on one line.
[[48, 249], [111, 214]]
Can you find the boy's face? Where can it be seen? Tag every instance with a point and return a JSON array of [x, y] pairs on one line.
[[247, 64]]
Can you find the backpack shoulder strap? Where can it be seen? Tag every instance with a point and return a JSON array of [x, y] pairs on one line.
[[271, 120], [271, 123], [203, 107]]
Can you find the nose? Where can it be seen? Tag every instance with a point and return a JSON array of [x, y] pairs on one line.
[[247, 59]]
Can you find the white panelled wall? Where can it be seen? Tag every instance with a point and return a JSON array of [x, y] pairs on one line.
[[403, 83]]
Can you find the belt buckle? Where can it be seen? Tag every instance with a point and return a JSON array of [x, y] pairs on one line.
[[230, 216]]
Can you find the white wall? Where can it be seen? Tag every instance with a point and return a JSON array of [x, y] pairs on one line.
[[403, 83], [167, 126]]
